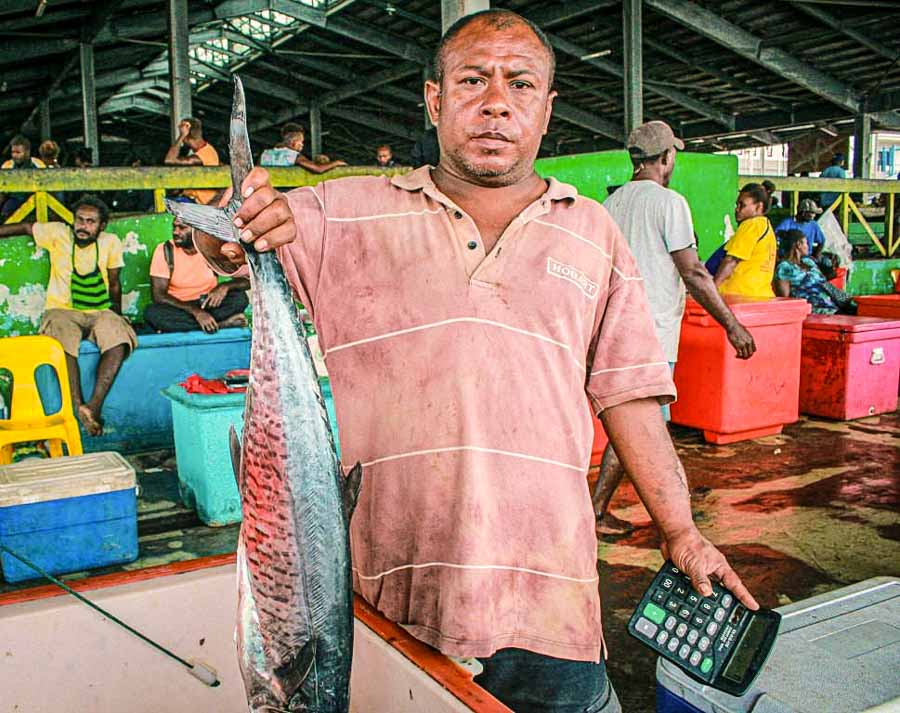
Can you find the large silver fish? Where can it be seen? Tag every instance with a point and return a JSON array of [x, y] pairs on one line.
[[295, 618]]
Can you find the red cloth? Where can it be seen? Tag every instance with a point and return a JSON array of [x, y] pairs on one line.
[[196, 384]]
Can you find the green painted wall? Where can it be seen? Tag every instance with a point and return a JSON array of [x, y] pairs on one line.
[[24, 270], [872, 277], [709, 182]]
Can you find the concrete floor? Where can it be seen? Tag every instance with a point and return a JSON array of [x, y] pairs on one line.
[[798, 514]]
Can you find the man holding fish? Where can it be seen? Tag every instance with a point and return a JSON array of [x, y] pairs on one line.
[[464, 312]]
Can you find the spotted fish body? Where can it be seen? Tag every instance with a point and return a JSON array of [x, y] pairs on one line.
[[295, 615]]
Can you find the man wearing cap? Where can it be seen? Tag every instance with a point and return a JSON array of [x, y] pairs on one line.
[[656, 222], [835, 170], [805, 222]]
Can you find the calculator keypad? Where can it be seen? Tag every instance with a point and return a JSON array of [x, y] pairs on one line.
[[689, 626]]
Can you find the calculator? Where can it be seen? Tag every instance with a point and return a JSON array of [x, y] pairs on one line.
[[715, 640]]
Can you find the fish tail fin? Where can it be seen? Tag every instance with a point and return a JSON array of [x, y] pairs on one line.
[[352, 484], [235, 445], [212, 221]]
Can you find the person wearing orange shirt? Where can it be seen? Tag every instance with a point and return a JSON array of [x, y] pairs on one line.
[[187, 295], [202, 153]]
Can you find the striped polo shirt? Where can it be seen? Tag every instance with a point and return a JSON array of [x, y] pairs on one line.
[[459, 381]]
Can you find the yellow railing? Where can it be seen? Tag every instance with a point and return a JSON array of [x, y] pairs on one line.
[[42, 183], [844, 206]]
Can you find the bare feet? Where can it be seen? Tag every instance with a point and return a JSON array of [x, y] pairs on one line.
[[235, 320], [609, 524], [91, 422]]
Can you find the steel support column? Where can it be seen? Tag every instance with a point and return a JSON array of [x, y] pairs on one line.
[[44, 109], [862, 146], [89, 102], [632, 32], [315, 131], [452, 10], [179, 62]]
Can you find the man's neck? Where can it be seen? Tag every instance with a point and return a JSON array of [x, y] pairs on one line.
[[462, 190]]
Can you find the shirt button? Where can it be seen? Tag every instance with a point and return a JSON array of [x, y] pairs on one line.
[[471, 245], [457, 215]]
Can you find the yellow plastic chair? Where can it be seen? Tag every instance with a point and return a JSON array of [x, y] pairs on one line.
[[22, 356]]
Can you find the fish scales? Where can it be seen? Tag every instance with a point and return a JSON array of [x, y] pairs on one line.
[[295, 616]]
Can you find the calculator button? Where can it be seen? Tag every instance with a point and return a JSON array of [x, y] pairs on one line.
[[672, 604], [726, 600], [659, 596], [706, 666], [646, 627], [684, 613], [681, 630], [684, 651], [670, 623], [719, 616], [681, 590], [716, 594], [674, 570], [662, 637], [698, 621], [692, 636], [695, 658], [704, 643], [712, 628], [667, 583], [693, 599], [706, 607], [673, 644], [654, 613]]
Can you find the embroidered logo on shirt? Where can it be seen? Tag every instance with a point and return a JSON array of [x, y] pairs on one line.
[[574, 275]]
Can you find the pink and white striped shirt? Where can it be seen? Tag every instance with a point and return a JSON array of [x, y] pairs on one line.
[[459, 380]]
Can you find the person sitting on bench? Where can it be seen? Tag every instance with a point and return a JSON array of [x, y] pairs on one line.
[[186, 292]]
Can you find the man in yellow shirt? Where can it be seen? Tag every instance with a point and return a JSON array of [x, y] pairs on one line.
[[20, 151], [202, 153], [84, 298], [749, 263]]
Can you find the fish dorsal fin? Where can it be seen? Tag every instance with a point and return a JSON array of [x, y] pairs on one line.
[[352, 484], [235, 444]]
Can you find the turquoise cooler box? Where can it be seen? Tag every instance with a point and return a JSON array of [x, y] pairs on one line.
[[201, 423], [67, 514], [835, 653]]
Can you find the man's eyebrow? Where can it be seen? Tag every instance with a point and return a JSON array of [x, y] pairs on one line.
[[481, 69]]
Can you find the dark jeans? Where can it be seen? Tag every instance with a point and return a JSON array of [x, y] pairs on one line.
[[531, 683], [166, 318]]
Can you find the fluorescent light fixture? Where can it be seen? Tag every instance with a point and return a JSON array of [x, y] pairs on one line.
[[594, 55], [41, 6], [827, 130]]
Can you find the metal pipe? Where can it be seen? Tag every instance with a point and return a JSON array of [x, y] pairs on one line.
[[89, 102], [179, 62], [632, 31]]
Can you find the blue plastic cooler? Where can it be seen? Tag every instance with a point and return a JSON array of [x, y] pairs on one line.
[[67, 514]]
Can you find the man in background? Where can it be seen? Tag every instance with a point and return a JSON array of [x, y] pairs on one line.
[[835, 170], [384, 157], [200, 153], [290, 152], [805, 222], [20, 153]]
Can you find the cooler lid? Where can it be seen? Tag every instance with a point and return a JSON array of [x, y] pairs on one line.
[[893, 299], [753, 312], [836, 652], [848, 323], [38, 480]]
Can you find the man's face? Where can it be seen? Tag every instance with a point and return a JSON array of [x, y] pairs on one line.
[[182, 235], [384, 155], [295, 142], [494, 103], [20, 154], [746, 207], [87, 224]]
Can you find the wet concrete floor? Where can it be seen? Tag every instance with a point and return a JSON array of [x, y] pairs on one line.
[[810, 510]]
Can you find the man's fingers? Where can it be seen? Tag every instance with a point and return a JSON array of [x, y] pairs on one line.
[[701, 583], [275, 225], [731, 580]]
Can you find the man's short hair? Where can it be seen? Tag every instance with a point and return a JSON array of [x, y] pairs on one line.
[[93, 201], [496, 19], [19, 140], [49, 149], [637, 159], [383, 146], [196, 131], [290, 129], [757, 192], [769, 186]]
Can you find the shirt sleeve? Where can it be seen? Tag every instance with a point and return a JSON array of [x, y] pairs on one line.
[[626, 361], [302, 258], [679, 226], [784, 271], [818, 235], [47, 235], [115, 259], [158, 265], [743, 242], [784, 225]]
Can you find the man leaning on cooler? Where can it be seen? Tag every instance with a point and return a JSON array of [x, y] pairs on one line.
[[84, 298], [469, 307]]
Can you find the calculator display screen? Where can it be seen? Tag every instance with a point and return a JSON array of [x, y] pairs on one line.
[[746, 650]]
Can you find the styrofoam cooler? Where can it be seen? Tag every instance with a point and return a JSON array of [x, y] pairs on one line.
[[67, 514], [835, 653]]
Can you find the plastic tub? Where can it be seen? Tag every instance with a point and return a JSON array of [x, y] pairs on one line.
[[884, 306]]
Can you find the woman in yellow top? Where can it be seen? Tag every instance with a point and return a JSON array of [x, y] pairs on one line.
[[749, 263]]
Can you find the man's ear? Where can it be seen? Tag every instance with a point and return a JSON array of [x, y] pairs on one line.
[[548, 110], [433, 101]]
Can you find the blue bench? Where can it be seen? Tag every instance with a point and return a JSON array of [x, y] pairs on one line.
[[137, 416]]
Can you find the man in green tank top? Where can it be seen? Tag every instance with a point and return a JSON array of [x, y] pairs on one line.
[[84, 298]]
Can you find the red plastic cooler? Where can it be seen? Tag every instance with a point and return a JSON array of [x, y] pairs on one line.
[[850, 366], [886, 306], [731, 399]]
